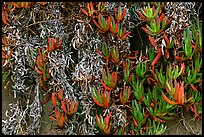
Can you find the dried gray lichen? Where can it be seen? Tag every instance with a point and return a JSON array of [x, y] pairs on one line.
[[181, 14]]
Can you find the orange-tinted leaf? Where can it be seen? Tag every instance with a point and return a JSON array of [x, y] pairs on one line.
[[39, 72], [61, 121], [124, 13], [57, 113], [194, 88], [181, 95], [135, 122], [158, 119], [4, 20], [54, 99], [15, 5], [42, 3], [52, 118], [107, 119], [84, 11], [168, 100], [92, 8], [53, 44]]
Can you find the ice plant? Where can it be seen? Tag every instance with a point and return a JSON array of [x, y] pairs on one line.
[[22, 4], [141, 69], [101, 98], [113, 25], [105, 51], [115, 57], [177, 93], [102, 6], [122, 34], [156, 59], [157, 25], [173, 73], [41, 67], [138, 87], [103, 24], [125, 94], [169, 43], [138, 113], [104, 124], [161, 77], [127, 67], [187, 47], [156, 128], [53, 44], [90, 10], [59, 118], [109, 81], [69, 106], [149, 13], [120, 14], [192, 76], [158, 108], [54, 99]]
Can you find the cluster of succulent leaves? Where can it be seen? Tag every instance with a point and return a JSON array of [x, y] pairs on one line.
[[150, 87]]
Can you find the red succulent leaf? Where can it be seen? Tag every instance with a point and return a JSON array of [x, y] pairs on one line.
[[180, 58], [135, 122], [147, 31], [84, 11], [105, 98], [141, 16], [161, 17], [152, 41], [181, 93], [156, 59], [167, 40]]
